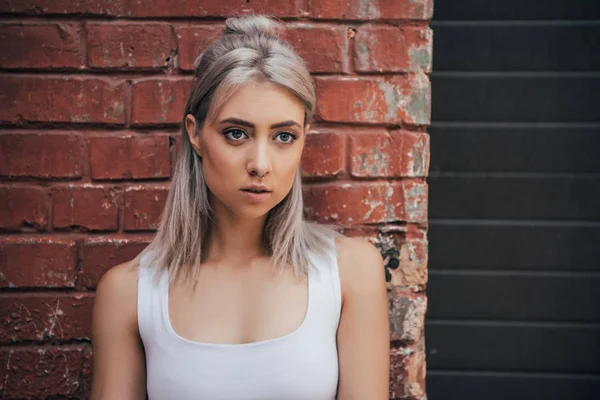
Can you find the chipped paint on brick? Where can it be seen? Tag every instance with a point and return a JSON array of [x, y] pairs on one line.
[[374, 162], [420, 56], [418, 106], [418, 157], [368, 9], [393, 100], [416, 202]]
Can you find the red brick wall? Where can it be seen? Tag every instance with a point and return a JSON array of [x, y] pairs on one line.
[[92, 91]]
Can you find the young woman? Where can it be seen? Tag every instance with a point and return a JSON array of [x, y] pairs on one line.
[[237, 297]]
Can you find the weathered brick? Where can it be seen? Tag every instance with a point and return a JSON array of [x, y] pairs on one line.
[[88, 206], [37, 262], [130, 157], [323, 48], [407, 373], [37, 7], [389, 154], [159, 101], [365, 203], [411, 271], [38, 317], [44, 372], [68, 99], [375, 99], [407, 315], [192, 40], [23, 205], [371, 10], [143, 206], [129, 46], [44, 46], [41, 155], [323, 154], [101, 254], [393, 49], [193, 8]]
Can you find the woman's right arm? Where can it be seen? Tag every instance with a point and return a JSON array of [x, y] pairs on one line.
[[119, 370]]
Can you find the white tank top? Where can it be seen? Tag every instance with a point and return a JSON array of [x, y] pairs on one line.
[[300, 365]]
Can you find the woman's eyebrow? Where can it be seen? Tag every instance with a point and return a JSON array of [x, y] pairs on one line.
[[238, 121]]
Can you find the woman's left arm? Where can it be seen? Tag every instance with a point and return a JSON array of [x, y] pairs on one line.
[[363, 335]]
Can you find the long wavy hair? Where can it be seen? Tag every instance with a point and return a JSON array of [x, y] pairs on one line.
[[249, 49]]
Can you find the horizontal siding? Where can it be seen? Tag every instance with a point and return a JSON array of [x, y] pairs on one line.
[[492, 97], [505, 346], [553, 198], [514, 296], [543, 149], [484, 246], [501, 48], [513, 386], [516, 9]]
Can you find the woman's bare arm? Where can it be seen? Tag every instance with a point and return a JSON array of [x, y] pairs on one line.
[[119, 366], [363, 334]]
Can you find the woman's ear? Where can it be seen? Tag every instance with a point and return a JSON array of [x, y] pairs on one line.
[[191, 129]]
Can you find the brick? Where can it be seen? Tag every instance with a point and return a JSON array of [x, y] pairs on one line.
[[68, 99], [37, 262], [41, 155], [143, 207], [407, 315], [381, 100], [371, 10], [37, 7], [389, 154], [36, 317], [365, 203], [43, 372], [407, 373], [44, 46], [23, 206], [159, 101], [90, 207], [129, 46], [101, 254], [223, 8], [130, 157], [393, 49], [411, 270], [192, 40], [323, 48], [323, 154]]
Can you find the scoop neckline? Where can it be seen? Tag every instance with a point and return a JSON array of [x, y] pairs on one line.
[[288, 336]]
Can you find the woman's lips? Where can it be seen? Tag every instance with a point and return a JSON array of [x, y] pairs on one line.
[[255, 196]]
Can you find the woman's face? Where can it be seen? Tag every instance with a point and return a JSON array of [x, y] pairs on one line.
[[256, 139]]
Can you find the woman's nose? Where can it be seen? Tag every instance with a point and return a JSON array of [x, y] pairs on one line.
[[259, 163]]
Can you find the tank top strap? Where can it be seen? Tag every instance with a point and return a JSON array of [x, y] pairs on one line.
[[149, 301], [326, 289]]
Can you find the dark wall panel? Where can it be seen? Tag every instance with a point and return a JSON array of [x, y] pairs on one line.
[[526, 198], [513, 386], [502, 48], [513, 347], [516, 9], [514, 296], [484, 97], [515, 149], [513, 247]]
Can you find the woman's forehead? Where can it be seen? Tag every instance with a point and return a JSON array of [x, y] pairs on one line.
[[262, 103]]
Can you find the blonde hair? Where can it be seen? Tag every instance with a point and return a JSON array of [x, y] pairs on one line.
[[249, 49]]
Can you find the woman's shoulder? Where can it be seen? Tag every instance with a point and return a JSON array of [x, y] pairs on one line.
[[360, 264], [117, 291]]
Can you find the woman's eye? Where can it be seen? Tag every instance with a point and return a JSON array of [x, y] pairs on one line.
[[234, 134], [286, 137]]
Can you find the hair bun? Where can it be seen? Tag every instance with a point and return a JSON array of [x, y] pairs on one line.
[[251, 25]]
